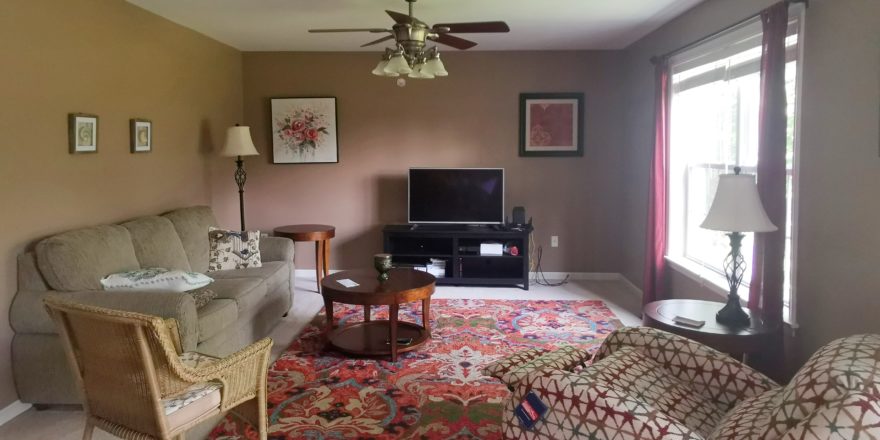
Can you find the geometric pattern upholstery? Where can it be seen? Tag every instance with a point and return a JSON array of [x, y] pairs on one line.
[[502, 366], [565, 358], [842, 380], [709, 372], [644, 383]]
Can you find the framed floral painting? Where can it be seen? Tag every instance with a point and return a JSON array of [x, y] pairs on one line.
[[304, 130], [551, 124]]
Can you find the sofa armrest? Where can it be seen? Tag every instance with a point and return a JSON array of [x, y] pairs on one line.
[[707, 370], [28, 315], [580, 407], [276, 249]]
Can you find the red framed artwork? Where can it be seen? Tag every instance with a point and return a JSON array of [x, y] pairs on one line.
[[551, 124]]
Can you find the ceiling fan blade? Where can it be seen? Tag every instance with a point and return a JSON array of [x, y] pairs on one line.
[[475, 27], [385, 38], [453, 41], [373, 30], [400, 18]]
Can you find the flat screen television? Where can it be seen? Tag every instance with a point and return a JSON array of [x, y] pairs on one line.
[[456, 195]]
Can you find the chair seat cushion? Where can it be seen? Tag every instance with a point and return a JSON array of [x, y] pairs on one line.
[[195, 401], [632, 372], [565, 358], [275, 273], [750, 419]]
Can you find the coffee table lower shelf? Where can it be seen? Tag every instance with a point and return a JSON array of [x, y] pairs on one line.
[[371, 338]]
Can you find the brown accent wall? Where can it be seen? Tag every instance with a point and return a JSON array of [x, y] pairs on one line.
[[837, 277], [118, 61], [468, 119]]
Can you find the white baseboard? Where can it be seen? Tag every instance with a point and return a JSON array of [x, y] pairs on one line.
[[13, 410], [633, 289]]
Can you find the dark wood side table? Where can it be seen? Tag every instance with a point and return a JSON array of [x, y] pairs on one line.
[[321, 235], [738, 342], [379, 338]]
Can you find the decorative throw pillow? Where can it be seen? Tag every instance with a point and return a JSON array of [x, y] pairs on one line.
[[156, 278], [233, 249], [202, 296]]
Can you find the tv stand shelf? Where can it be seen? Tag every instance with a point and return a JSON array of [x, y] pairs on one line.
[[458, 246]]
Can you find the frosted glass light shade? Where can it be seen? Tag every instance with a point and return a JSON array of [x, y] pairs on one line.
[[239, 142], [380, 68], [419, 72], [397, 64], [737, 206], [435, 67]]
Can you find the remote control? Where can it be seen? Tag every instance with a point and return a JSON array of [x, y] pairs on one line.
[[681, 320]]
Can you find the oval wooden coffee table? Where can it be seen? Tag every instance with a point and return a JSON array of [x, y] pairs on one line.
[[378, 338]]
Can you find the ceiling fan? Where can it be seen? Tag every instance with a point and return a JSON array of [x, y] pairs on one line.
[[410, 54]]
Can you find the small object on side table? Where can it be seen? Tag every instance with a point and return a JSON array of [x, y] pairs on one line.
[[382, 263], [321, 235], [734, 340]]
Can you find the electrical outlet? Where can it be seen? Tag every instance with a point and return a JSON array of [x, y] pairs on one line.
[[554, 241]]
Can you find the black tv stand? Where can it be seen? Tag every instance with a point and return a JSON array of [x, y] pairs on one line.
[[459, 246]]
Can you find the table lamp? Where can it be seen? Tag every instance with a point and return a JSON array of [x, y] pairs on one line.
[[736, 209], [238, 144]]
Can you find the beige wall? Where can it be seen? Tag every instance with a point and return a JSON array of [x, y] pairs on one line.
[[838, 281], [469, 119], [117, 61]]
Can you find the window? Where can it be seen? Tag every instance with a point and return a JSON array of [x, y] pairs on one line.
[[713, 128]]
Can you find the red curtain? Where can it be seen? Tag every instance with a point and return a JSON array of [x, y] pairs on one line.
[[766, 288], [655, 246]]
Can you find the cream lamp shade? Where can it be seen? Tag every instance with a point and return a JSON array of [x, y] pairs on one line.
[[737, 206], [239, 142]]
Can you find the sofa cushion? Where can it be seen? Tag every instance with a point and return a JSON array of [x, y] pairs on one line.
[[749, 419], [840, 369], [78, 259], [215, 316], [156, 243], [634, 373], [246, 292], [192, 226], [275, 273]]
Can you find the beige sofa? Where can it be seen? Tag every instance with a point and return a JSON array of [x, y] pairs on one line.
[[249, 303]]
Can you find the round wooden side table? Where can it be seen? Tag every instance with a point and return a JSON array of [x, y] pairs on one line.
[[736, 341], [379, 337], [321, 235]]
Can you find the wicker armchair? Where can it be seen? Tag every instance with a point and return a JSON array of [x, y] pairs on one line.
[[136, 383]]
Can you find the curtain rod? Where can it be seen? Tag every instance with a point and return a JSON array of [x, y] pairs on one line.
[[655, 59]]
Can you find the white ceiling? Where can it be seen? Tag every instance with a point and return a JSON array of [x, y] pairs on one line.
[[281, 25]]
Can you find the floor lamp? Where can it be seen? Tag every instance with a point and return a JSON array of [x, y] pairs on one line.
[[736, 209], [239, 144]]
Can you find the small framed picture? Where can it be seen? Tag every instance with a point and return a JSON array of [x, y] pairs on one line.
[[551, 124], [141, 135], [82, 133]]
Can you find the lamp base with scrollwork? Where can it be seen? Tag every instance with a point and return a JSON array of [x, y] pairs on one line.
[[734, 267]]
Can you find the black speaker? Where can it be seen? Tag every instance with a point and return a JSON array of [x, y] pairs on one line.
[[519, 215]]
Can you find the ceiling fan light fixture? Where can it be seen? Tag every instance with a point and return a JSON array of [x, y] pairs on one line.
[[420, 73], [435, 67], [380, 68], [398, 65]]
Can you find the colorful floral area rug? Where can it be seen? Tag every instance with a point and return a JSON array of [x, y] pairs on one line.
[[434, 392]]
